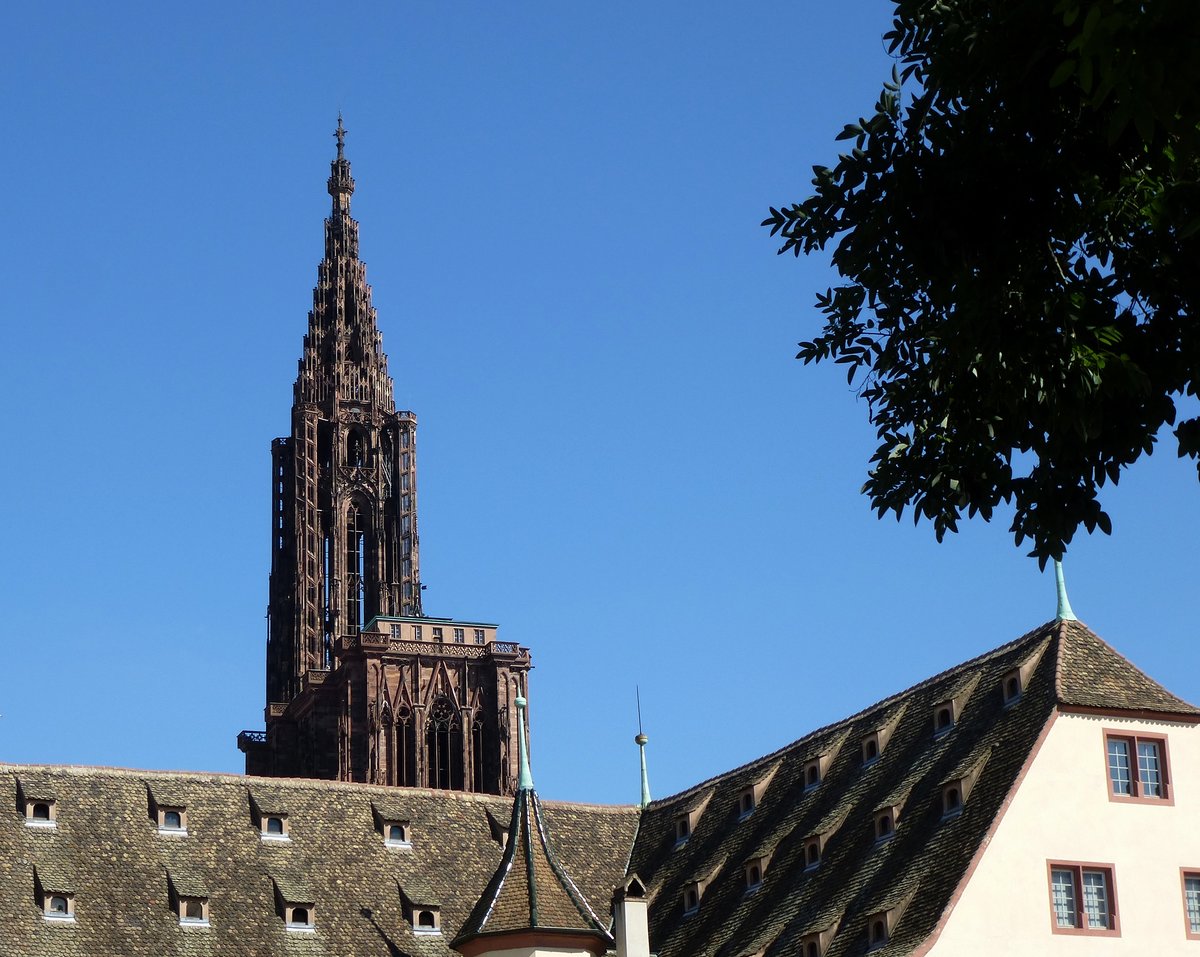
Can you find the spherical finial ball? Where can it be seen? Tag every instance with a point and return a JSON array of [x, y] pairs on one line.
[[640, 739], [521, 701]]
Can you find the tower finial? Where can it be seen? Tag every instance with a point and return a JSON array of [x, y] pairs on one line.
[[1064, 604], [525, 776], [341, 183], [340, 134], [640, 739]]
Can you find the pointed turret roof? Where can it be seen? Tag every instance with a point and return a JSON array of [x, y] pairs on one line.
[[530, 896]]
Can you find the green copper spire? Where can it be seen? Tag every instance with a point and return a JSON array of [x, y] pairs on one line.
[[1064, 604], [525, 779], [641, 740]]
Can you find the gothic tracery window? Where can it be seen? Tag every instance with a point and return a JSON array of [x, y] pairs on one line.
[[444, 746], [356, 569]]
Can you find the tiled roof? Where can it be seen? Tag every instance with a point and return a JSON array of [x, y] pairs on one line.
[[1092, 674], [107, 850], [530, 889], [919, 866]]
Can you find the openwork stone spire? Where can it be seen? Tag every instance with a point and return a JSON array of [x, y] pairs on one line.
[[343, 351]]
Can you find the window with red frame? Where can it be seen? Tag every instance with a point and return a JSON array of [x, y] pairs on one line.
[[1083, 899], [1137, 766], [1191, 903]]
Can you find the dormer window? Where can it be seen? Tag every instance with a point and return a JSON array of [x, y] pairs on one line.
[[58, 906], [943, 718], [877, 931], [300, 917], [691, 898], [812, 774], [421, 910], [683, 829], [1015, 682], [275, 827], [957, 789], [685, 821], [812, 853], [749, 798], [192, 911], [755, 871], [875, 742], [816, 943], [396, 834], [172, 820], [882, 924], [885, 824], [41, 813]]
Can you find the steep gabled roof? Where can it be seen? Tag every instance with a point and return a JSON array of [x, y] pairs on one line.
[[921, 864]]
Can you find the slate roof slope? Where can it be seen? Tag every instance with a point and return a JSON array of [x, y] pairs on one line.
[[920, 865], [120, 867], [1092, 674], [530, 889]]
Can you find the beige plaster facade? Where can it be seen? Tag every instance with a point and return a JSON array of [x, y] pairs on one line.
[[1062, 811]]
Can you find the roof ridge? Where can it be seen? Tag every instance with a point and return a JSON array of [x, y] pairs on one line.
[[841, 723], [255, 780]]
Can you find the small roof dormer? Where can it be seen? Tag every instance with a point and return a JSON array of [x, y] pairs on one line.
[[751, 795], [38, 799], [876, 740], [421, 908]]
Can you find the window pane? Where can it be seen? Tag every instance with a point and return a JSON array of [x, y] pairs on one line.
[[1149, 769], [1095, 898], [1062, 889], [1118, 766], [1191, 896]]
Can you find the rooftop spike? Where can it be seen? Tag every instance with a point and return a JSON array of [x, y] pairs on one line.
[[525, 777], [640, 739], [1064, 604]]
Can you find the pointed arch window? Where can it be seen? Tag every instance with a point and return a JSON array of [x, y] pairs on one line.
[[405, 761], [444, 746], [356, 568], [477, 752]]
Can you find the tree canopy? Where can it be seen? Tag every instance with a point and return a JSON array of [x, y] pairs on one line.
[[1016, 229]]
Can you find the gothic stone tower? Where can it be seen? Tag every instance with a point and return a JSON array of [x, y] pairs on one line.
[[361, 685]]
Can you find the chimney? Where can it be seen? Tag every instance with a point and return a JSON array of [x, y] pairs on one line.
[[630, 926]]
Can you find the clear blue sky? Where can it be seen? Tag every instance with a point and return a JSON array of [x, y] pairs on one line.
[[620, 460]]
